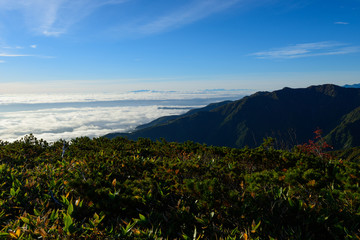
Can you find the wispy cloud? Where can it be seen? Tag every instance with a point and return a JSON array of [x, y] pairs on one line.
[[9, 47], [308, 50], [341, 23], [53, 18], [185, 13], [195, 11], [13, 55], [15, 52]]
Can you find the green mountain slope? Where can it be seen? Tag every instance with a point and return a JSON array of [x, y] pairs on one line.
[[347, 133], [288, 115], [166, 119]]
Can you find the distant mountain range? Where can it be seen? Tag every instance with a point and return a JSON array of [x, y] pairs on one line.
[[290, 116], [357, 85]]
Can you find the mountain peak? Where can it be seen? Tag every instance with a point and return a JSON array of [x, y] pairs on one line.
[[288, 115], [327, 89]]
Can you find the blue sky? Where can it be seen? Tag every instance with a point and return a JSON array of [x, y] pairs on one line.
[[113, 45]]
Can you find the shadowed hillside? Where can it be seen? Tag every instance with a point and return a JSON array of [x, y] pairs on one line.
[[288, 115]]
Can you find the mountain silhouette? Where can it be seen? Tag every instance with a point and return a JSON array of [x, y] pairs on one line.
[[290, 116]]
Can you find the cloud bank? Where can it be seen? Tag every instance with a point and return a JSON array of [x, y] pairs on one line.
[[68, 123], [54, 117], [143, 95]]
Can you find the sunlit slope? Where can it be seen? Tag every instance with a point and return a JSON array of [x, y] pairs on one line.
[[121, 189]]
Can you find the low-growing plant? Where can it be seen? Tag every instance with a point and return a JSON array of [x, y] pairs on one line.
[[121, 189]]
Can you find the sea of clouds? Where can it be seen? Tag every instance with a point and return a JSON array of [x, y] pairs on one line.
[[66, 116]]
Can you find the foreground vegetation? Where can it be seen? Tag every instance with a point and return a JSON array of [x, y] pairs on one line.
[[110, 189]]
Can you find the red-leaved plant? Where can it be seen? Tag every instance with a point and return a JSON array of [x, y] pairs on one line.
[[317, 146]]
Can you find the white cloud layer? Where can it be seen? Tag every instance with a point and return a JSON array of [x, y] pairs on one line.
[[67, 116], [308, 50], [68, 123], [37, 98]]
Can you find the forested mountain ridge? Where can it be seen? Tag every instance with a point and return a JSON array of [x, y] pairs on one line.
[[165, 119], [288, 115], [356, 85]]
